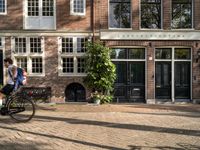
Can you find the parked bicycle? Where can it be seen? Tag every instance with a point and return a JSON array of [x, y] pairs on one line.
[[19, 106]]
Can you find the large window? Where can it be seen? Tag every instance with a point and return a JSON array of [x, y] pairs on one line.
[[151, 14], [72, 60], [78, 7], [120, 14], [28, 53], [3, 6], [181, 14], [40, 14], [46, 5]]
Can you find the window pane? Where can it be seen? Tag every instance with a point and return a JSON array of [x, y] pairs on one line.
[[78, 6], [47, 7], [22, 62], [67, 45], [137, 53], [37, 65], [81, 45], [163, 53], [68, 65], [120, 14], [20, 45], [182, 53], [151, 14], [81, 65], [118, 53], [33, 7], [2, 6], [35, 45], [181, 14]]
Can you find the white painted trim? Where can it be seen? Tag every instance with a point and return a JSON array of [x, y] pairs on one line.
[[149, 35], [146, 74], [141, 19], [59, 33], [172, 76], [55, 14], [72, 9], [4, 13], [191, 75], [24, 13]]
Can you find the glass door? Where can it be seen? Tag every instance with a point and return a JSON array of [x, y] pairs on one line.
[[130, 69], [136, 81], [120, 91], [163, 80], [182, 80], [130, 82]]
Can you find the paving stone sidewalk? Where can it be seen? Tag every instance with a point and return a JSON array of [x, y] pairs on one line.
[[81, 126]]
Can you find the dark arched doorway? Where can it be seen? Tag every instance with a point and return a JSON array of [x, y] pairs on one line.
[[75, 92]]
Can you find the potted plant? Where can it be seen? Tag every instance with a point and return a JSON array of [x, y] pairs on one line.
[[96, 97], [100, 70]]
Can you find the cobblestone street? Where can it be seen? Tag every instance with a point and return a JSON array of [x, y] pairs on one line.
[[106, 127]]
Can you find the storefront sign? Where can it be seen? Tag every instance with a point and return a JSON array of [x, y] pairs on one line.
[[149, 35]]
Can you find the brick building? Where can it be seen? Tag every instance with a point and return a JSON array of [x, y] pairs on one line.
[[156, 45]]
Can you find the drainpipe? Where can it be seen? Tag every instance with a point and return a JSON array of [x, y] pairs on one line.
[[93, 19]]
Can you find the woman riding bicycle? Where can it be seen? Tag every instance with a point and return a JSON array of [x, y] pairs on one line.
[[11, 75]]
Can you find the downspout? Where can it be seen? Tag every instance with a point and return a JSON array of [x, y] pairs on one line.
[[93, 19]]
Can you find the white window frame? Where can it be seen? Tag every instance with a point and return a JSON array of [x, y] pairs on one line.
[[29, 55], [77, 13], [4, 13], [74, 54], [39, 17]]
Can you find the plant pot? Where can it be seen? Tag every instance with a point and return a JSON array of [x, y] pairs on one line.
[[97, 101]]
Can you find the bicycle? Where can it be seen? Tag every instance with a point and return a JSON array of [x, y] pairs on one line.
[[19, 106]]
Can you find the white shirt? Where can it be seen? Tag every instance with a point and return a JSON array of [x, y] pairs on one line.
[[10, 80]]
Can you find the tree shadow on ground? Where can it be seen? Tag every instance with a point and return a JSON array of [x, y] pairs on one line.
[[173, 107], [64, 139], [180, 146], [21, 146], [124, 126], [187, 114]]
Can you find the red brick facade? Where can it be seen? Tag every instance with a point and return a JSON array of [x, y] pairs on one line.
[[12, 25]]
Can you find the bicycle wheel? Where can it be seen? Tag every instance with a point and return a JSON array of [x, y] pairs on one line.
[[21, 109]]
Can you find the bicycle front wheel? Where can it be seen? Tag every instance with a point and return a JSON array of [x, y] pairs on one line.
[[21, 109]]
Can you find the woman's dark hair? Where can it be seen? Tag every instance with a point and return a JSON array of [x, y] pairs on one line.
[[9, 60]]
